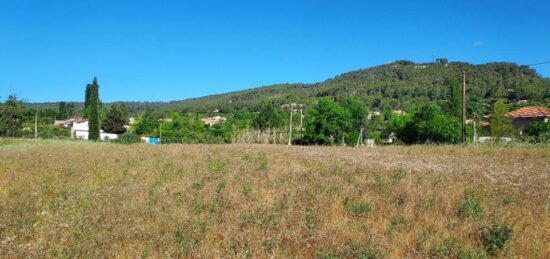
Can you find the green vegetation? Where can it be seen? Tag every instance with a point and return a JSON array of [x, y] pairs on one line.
[[500, 125], [401, 84], [429, 125], [115, 119], [92, 110], [11, 117], [471, 206], [496, 237], [409, 103]]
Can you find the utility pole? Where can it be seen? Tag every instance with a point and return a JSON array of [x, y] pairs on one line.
[[360, 138], [290, 127], [301, 119], [475, 134], [464, 108], [36, 126]]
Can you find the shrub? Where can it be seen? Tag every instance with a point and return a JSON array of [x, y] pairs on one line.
[[470, 207], [496, 237], [128, 138]]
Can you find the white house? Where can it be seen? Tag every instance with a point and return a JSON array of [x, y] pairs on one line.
[[68, 123], [213, 120], [79, 130]]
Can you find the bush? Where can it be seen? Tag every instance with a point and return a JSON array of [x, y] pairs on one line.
[[470, 207], [538, 132], [128, 138], [496, 237]]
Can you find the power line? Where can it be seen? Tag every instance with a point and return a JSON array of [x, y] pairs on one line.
[[541, 63]]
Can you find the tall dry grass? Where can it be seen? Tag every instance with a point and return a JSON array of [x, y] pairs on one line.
[[104, 200], [268, 136]]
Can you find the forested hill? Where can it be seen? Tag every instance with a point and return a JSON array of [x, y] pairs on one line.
[[397, 85]]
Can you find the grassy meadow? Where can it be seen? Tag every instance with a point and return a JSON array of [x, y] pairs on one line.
[[77, 199]]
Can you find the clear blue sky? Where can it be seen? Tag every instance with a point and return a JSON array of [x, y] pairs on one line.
[[170, 50]]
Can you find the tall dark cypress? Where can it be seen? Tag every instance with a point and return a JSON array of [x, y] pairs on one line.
[[86, 111], [93, 112]]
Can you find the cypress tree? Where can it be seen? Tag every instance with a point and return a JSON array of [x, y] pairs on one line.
[[454, 98], [93, 111], [86, 111]]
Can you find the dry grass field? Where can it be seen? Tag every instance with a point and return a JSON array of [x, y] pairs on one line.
[[74, 199]]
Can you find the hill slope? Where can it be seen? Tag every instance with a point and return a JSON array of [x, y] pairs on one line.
[[398, 85]]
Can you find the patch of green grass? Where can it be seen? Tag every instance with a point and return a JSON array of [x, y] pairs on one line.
[[473, 253], [398, 223], [448, 248], [470, 206], [189, 235], [398, 176], [379, 182], [218, 166], [262, 163], [246, 191], [357, 208], [198, 185]]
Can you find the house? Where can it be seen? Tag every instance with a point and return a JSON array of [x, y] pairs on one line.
[[69, 122], [79, 130], [213, 120], [523, 117]]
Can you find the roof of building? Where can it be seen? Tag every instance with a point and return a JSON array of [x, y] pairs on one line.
[[529, 112]]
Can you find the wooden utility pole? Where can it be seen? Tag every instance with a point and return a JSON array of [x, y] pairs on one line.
[[36, 125], [360, 138], [301, 119], [464, 107], [475, 134], [290, 127]]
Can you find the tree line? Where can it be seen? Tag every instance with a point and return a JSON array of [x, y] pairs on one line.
[[340, 120]]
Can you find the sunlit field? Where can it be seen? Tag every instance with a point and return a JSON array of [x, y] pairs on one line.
[[77, 199]]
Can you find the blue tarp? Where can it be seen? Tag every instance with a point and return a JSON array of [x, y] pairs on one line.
[[153, 141]]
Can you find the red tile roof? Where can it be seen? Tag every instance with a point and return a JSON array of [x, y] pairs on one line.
[[529, 112]]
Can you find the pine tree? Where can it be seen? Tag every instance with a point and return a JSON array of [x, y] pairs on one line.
[[93, 111], [115, 119]]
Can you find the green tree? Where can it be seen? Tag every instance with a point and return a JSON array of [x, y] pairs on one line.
[[11, 117], [115, 119], [501, 126], [92, 110], [269, 117], [454, 98], [86, 110], [358, 119], [146, 123], [430, 125], [326, 123], [65, 110]]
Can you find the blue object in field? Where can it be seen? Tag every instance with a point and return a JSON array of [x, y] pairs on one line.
[[153, 141]]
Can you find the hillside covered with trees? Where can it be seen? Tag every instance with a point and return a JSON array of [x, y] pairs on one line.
[[396, 85]]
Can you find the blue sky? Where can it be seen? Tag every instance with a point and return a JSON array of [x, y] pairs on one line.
[[170, 50]]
